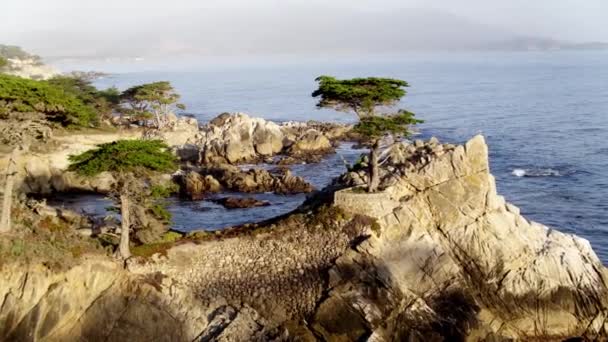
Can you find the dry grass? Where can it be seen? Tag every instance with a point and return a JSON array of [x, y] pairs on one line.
[[45, 239]]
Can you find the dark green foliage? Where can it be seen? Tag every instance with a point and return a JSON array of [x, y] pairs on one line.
[[363, 96], [158, 91], [163, 190], [148, 100], [135, 156], [374, 127], [360, 95], [103, 101], [158, 192], [24, 95], [160, 211], [3, 62]]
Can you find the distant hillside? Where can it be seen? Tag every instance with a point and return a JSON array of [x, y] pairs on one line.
[[16, 61], [281, 30], [542, 44]]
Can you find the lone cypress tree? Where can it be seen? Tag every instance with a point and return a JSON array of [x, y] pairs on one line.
[[364, 96], [151, 100], [132, 163]]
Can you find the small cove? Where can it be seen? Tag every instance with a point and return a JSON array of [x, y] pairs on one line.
[[206, 215]]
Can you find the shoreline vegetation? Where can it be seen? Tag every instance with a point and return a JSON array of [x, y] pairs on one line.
[[411, 242]]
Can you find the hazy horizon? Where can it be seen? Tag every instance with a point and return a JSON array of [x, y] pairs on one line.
[[124, 28]]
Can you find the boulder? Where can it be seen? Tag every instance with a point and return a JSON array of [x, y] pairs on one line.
[[240, 202], [332, 131], [180, 131], [311, 141], [196, 186], [256, 180], [237, 137]]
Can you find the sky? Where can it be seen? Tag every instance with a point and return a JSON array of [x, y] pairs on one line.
[[233, 27]]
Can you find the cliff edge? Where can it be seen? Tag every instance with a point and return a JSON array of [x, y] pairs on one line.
[[437, 255]]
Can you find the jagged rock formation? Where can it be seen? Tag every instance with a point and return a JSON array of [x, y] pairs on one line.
[[240, 202], [196, 184], [441, 257], [237, 137], [465, 263]]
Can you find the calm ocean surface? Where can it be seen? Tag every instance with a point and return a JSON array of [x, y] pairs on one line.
[[544, 115]]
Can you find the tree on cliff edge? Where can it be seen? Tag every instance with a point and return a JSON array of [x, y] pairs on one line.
[[133, 163], [151, 100], [364, 96]]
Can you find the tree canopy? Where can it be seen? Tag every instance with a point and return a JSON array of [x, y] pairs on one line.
[[374, 127], [359, 95], [3, 62], [103, 101], [151, 99], [24, 95], [128, 156], [363, 96]]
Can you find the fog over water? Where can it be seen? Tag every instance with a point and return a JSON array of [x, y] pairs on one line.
[[245, 28]]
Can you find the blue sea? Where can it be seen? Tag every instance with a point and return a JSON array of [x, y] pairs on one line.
[[544, 115]]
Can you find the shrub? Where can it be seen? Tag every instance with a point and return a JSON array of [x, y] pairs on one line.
[[125, 156], [24, 95]]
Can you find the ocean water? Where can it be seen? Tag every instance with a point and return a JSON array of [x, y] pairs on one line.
[[544, 115]]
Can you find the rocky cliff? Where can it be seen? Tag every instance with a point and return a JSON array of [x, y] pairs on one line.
[[437, 255]]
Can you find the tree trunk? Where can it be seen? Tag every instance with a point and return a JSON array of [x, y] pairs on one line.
[[125, 224], [7, 202], [374, 170], [159, 123]]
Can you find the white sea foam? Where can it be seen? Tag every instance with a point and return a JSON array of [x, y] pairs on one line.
[[548, 172], [519, 172]]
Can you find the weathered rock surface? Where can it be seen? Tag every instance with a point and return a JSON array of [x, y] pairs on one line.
[[240, 202], [180, 131], [197, 183], [333, 131], [195, 186], [442, 258], [236, 137], [457, 262], [308, 147]]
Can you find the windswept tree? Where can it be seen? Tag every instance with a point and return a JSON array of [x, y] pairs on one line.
[[152, 100], [103, 102], [364, 97], [133, 163]]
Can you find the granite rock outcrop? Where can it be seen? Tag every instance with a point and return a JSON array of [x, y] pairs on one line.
[[441, 257]]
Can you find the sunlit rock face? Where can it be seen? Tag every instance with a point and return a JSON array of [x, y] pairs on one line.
[[440, 256], [237, 137], [454, 260], [232, 138]]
